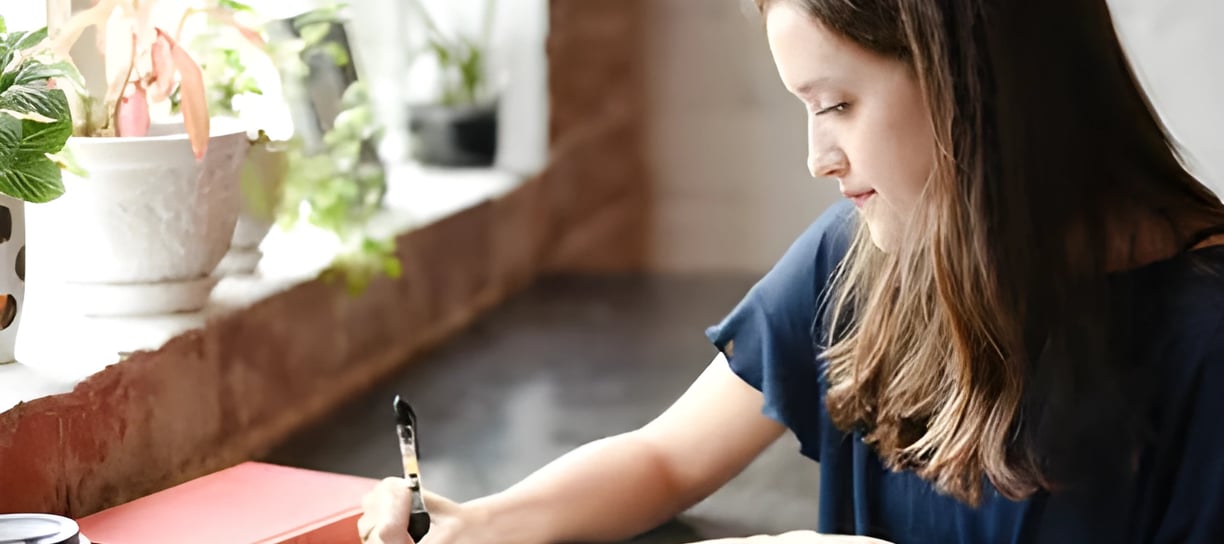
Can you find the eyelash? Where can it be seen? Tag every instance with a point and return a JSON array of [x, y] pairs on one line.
[[839, 108]]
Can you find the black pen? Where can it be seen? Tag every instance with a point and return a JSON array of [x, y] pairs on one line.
[[406, 428]]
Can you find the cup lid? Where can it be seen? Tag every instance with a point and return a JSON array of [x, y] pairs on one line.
[[38, 529]]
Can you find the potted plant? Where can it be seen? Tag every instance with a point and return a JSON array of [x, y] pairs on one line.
[[242, 82], [35, 122], [158, 208], [341, 189], [335, 181], [460, 127]]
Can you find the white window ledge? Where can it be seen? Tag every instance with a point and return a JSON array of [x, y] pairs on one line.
[[57, 349]]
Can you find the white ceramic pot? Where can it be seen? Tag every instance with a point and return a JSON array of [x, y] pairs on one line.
[[263, 176], [144, 231], [12, 273]]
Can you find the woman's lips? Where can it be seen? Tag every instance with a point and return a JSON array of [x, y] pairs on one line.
[[860, 199]]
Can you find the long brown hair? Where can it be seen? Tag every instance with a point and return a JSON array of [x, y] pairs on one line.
[[974, 348]]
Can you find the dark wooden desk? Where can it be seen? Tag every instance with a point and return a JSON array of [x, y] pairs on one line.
[[570, 361]]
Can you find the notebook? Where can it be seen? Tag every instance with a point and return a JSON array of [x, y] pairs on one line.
[[252, 503]]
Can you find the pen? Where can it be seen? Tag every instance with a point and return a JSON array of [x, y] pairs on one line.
[[405, 426]]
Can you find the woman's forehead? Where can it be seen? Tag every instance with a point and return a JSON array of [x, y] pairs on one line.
[[809, 56]]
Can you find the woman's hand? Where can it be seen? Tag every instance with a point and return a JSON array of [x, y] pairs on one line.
[[798, 537], [385, 517]]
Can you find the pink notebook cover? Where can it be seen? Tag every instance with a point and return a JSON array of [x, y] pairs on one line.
[[252, 503]]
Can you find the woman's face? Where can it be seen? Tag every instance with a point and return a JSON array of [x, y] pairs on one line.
[[868, 125]]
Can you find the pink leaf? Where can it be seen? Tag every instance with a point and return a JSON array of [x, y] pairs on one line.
[[133, 115], [191, 96], [163, 69]]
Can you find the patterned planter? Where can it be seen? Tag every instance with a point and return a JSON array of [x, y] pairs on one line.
[[12, 273]]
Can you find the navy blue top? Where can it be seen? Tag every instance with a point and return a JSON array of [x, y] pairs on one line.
[[771, 339]]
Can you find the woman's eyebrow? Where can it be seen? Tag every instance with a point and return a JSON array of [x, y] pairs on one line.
[[810, 87]]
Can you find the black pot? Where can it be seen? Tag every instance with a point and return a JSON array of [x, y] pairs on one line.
[[454, 135]]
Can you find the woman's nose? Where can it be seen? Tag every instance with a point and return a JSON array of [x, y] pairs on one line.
[[828, 163]]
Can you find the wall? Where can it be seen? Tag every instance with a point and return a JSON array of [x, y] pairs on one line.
[[596, 169], [726, 142], [25, 15], [1175, 47]]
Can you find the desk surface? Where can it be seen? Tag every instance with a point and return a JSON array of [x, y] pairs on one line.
[[569, 361]]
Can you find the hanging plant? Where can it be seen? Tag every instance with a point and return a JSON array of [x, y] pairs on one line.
[[339, 190]]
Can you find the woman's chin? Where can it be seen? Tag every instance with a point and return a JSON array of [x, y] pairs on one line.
[[881, 237]]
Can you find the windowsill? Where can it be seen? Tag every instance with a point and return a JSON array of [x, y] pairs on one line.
[[57, 349]]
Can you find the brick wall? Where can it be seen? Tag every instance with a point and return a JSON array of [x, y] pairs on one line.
[[597, 175]]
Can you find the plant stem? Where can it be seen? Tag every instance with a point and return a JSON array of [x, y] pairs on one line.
[[114, 118], [68, 35], [178, 32]]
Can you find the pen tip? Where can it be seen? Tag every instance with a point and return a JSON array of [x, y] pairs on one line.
[[404, 415]]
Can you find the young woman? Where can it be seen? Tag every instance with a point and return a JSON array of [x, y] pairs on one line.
[[1011, 331]]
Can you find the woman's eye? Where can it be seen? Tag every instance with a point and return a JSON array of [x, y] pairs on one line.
[[838, 108]]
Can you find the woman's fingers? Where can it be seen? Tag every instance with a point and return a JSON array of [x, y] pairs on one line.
[[385, 511]]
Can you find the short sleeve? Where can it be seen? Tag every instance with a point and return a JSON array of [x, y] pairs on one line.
[[768, 337]]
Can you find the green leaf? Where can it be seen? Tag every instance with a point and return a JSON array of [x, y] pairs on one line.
[[35, 136], [33, 72], [338, 55], [314, 34], [67, 161], [441, 51], [30, 39], [32, 178], [9, 41], [7, 54], [234, 5], [27, 116], [3, 26], [354, 95], [25, 174], [37, 122]]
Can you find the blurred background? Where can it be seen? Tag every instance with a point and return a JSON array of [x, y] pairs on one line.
[[673, 161], [722, 148], [722, 141]]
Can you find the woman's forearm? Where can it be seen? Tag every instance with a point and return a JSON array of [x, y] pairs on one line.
[[606, 491]]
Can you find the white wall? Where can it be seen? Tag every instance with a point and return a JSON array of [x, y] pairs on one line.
[[1177, 48], [726, 142], [24, 15]]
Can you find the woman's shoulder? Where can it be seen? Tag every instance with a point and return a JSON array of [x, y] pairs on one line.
[[1187, 294], [1184, 337], [1178, 318]]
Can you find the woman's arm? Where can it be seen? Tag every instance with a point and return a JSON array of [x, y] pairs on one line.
[[611, 489], [619, 487]]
